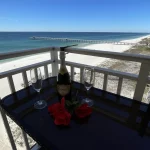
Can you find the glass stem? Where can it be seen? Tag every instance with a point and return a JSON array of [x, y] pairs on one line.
[[87, 93], [39, 99]]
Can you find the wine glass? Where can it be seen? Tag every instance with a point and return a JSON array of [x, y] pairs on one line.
[[36, 80], [88, 79]]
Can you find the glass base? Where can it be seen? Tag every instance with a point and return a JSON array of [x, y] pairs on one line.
[[40, 104], [88, 101]]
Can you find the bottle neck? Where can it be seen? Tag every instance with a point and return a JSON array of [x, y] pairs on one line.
[[63, 75], [62, 59], [62, 62]]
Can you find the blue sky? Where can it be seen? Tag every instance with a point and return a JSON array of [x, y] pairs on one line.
[[75, 15]]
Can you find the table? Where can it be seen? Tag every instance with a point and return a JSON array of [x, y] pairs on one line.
[[107, 127]]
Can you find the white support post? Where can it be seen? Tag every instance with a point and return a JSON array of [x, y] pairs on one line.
[[139, 91], [54, 58], [142, 81]]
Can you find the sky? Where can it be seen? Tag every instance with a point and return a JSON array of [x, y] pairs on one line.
[[75, 15]]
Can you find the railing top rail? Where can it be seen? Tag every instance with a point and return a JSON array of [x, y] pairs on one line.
[[106, 54], [14, 54], [24, 68]]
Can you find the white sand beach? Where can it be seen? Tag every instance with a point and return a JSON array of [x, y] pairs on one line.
[[83, 59], [88, 60], [136, 40]]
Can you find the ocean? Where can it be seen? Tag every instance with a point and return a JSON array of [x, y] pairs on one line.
[[17, 41]]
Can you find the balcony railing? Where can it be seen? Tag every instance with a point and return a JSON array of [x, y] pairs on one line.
[[142, 79]]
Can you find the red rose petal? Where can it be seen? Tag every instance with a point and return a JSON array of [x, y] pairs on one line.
[[83, 111], [58, 111], [59, 121], [62, 118], [63, 102]]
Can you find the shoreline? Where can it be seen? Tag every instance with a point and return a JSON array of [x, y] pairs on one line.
[[83, 59]]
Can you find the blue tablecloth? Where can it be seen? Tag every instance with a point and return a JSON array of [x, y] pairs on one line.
[[99, 132]]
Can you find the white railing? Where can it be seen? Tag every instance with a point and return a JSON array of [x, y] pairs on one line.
[[23, 70], [142, 78]]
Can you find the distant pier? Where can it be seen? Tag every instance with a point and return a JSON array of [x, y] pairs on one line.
[[82, 41]]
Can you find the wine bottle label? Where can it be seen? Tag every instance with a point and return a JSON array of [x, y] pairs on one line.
[[63, 71], [63, 90]]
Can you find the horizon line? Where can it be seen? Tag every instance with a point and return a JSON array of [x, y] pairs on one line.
[[82, 31]]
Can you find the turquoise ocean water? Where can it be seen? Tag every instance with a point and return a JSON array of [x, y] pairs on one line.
[[17, 41]]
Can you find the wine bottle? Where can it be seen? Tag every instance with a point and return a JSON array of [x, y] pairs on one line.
[[63, 78]]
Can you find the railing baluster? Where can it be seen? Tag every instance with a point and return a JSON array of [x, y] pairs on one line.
[[72, 73], [36, 71], [25, 79], [7, 127], [46, 71], [11, 84], [25, 140], [54, 58], [24, 75], [105, 82], [119, 88], [81, 75], [119, 85]]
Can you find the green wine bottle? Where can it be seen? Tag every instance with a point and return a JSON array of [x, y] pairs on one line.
[[63, 79]]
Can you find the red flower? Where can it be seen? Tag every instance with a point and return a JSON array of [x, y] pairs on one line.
[[62, 118], [58, 111], [57, 108], [83, 111]]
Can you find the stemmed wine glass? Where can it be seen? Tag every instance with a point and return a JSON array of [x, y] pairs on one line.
[[88, 78], [36, 80]]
